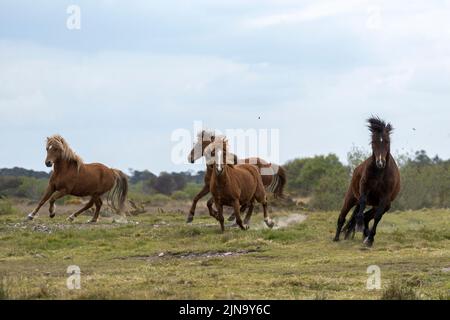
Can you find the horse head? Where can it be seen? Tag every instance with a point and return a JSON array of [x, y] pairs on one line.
[[381, 141], [204, 139]]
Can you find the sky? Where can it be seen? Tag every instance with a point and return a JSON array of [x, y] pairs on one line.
[[135, 72]]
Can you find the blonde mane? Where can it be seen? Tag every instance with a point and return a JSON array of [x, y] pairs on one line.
[[66, 152], [219, 142], [206, 135]]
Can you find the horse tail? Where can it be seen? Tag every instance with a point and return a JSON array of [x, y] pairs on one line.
[[118, 196], [281, 180]]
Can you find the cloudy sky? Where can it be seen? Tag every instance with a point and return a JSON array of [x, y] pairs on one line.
[[137, 70]]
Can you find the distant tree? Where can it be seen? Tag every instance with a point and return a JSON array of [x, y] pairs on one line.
[[137, 176], [21, 172], [356, 156], [304, 174], [165, 184]]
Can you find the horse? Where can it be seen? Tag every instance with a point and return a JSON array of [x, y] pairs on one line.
[[273, 176], [376, 183], [71, 176], [234, 185]]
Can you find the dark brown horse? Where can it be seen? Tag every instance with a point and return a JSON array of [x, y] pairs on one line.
[[273, 176], [234, 185], [376, 183], [72, 177]]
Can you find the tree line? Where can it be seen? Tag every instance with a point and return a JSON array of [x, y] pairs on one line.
[[321, 182]]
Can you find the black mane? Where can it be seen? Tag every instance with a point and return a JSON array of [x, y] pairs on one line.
[[378, 126]]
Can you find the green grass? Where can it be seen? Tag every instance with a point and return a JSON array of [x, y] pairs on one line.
[[158, 256]]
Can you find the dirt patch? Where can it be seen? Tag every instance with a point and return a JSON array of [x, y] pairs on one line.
[[192, 255], [284, 222], [54, 227]]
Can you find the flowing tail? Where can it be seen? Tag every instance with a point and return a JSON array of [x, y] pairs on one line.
[[118, 196], [281, 180]]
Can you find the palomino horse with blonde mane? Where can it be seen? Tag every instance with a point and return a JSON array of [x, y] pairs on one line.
[[234, 185], [73, 177], [273, 176]]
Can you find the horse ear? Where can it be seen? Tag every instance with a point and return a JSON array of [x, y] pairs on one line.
[[389, 128]]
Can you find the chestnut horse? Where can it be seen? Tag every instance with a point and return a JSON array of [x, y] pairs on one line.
[[376, 183], [234, 185], [273, 176], [72, 177]]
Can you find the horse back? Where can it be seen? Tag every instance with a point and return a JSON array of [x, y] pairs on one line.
[[89, 179]]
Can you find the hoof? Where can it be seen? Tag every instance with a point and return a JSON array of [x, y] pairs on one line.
[[270, 223], [70, 219], [52, 215], [92, 221], [367, 242], [30, 217], [231, 218], [335, 239], [246, 227], [190, 218]]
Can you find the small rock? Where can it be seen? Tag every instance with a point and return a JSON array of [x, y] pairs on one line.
[[38, 255], [228, 254], [161, 254], [67, 258], [446, 269]]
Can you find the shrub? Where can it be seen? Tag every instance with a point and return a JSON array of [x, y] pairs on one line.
[[180, 195], [330, 191], [6, 207], [399, 291]]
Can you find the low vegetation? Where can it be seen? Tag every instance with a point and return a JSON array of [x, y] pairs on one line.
[[157, 256]]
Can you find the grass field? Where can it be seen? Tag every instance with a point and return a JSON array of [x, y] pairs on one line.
[[157, 256]]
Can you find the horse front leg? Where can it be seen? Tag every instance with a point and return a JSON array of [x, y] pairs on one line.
[[201, 194], [360, 214], [237, 214], [220, 217], [212, 212], [48, 193], [57, 195], [381, 210]]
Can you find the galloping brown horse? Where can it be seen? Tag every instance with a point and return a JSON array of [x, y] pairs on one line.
[[234, 185], [376, 183], [273, 176], [72, 177]]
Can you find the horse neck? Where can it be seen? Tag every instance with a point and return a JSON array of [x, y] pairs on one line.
[[224, 178], [62, 166]]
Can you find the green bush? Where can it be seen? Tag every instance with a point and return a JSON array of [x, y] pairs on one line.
[[31, 188], [330, 191], [180, 195], [6, 207], [304, 175], [192, 189], [159, 199]]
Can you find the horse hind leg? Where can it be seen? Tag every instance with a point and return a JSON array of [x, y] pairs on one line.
[[86, 207], [232, 217], [248, 216], [98, 206], [349, 227], [350, 202]]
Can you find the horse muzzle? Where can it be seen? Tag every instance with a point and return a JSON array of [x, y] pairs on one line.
[[381, 164], [48, 164]]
